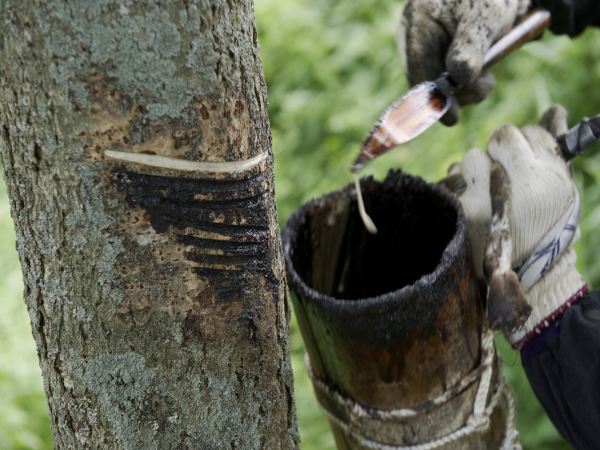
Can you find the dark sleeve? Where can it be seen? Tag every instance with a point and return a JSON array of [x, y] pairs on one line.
[[571, 16], [563, 368]]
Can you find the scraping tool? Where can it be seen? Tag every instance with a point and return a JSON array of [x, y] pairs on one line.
[[427, 102]]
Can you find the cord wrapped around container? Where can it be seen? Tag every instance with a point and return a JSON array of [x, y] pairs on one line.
[[392, 321]]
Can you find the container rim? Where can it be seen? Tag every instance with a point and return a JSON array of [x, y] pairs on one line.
[[449, 255]]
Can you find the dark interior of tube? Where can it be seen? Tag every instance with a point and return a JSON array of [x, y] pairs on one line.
[[336, 256]]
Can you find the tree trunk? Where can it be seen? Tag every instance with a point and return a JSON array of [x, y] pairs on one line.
[[156, 290]]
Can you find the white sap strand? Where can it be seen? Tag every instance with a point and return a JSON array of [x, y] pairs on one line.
[[369, 225], [182, 164]]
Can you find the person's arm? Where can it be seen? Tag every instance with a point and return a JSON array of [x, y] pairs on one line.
[[562, 364], [560, 339], [571, 17]]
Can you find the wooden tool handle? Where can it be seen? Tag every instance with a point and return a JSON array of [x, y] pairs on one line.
[[531, 26]]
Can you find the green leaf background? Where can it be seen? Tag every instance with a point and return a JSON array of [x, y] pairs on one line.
[[331, 68]]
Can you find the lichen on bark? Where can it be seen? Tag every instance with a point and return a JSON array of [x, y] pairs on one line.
[[157, 298]]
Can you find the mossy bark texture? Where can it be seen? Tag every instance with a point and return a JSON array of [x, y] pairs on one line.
[[157, 296]]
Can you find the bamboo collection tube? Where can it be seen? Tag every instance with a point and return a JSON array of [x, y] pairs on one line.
[[393, 320]]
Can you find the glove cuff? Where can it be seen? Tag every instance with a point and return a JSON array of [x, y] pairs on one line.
[[558, 289]]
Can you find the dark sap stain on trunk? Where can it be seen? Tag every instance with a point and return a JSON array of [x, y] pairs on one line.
[[231, 218]]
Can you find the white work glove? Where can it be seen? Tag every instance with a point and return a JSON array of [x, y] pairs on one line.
[[436, 36], [543, 210], [474, 194]]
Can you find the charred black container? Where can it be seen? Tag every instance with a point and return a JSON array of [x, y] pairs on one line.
[[390, 320]]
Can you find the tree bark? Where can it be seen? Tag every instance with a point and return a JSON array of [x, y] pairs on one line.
[[157, 295]]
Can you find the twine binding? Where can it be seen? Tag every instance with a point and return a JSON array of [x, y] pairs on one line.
[[478, 422]]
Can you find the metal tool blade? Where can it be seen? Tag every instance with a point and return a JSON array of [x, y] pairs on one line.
[[408, 117]]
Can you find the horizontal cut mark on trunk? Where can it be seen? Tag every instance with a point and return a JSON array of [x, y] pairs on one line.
[[233, 230], [154, 185], [162, 183], [250, 251], [233, 283], [252, 219], [237, 260], [185, 165], [170, 201], [211, 236], [197, 205], [192, 190], [219, 267], [241, 248]]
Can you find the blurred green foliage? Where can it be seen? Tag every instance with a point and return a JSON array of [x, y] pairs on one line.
[[331, 68]]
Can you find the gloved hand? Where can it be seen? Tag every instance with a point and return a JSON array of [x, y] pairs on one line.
[[470, 180], [436, 36], [543, 213]]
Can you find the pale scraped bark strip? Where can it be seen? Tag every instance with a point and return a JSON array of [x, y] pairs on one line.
[[182, 164]]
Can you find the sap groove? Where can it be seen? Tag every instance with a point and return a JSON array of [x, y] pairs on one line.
[[242, 248]]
